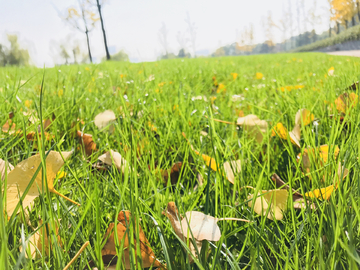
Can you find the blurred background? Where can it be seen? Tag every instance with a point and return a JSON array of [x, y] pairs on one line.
[[43, 32]]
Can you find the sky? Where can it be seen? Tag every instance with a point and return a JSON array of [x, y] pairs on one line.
[[134, 25]]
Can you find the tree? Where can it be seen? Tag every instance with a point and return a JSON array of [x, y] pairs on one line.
[[120, 56], [192, 32], [180, 37], [283, 26], [343, 11], [83, 20], [183, 54], [15, 55], [313, 18], [268, 25], [163, 35], [103, 30]]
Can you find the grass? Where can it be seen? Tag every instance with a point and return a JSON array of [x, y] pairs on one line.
[[325, 238]]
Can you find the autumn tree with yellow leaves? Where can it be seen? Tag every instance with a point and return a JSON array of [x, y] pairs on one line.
[[343, 11], [83, 19]]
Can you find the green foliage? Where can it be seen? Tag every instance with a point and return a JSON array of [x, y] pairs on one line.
[[350, 34], [13, 56], [120, 56]]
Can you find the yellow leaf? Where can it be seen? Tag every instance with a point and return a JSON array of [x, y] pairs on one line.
[[20, 176], [61, 174], [34, 244], [275, 199], [322, 193], [209, 161], [5, 167], [283, 133], [346, 101], [302, 117], [259, 75], [254, 126], [28, 103], [103, 119]]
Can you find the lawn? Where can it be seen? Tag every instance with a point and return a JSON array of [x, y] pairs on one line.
[[166, 113]]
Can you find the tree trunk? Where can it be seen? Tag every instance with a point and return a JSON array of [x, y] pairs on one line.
[[103, 30], [346, 24], [329, 30], [353, 20], [358, 10], [88, 44], [337, 27], [74, 54]]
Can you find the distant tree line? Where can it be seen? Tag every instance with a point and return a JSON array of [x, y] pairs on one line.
[[13, 55], [294, 25]]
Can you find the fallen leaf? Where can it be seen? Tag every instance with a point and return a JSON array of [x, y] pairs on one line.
[[3, 169], [147, 255], [353, 86], [31, 136], [8, 127], [32, 116], [87, 142], [112, 156], [302, 117], [318, 155], [325, 193], [254, 126], [283, 133], [322, 193], [34, 243], [103, 119], [230, 168], [298, 200], [345, 102], [174, 173], [275, 199], [21, 175], [195, 225]]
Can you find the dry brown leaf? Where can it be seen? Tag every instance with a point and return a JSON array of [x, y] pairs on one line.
[[325, 193], [195, 225], [5, 167], [34, 244], [302, 117], [20, 176], [230, 168], [8, 127], [32, 136], [298, 200], [353, 86], [275, 199], [254, 126], [318, 155], [87, 142], [283, 133], [147, 255], [345, 102], [112, 156], [32, 116], [103, 119], [174, 173]]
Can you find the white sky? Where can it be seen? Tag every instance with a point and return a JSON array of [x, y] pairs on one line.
[[133, 25]]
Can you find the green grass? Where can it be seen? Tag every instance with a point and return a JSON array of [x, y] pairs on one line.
[[353, 33], [327, 238]]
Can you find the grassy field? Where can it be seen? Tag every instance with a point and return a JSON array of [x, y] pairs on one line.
[[154, 104]]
